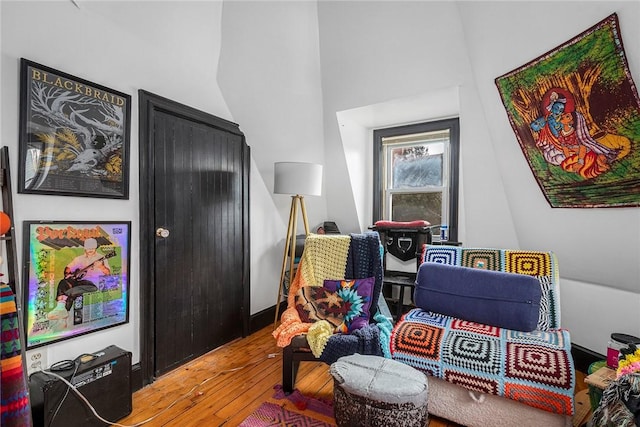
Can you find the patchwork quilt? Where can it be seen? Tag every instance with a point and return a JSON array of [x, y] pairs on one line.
[[534, 368]]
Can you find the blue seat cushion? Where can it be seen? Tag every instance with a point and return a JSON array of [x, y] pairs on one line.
[[506, 300]]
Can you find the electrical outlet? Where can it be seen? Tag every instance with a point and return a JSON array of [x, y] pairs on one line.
[[36, 361]]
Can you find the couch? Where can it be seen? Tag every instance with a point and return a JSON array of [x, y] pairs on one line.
[[486, 330]]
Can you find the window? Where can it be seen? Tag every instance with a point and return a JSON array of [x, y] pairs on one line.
[[416, 174]]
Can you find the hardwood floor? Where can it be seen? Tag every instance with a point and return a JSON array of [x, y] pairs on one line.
[[224, 386]]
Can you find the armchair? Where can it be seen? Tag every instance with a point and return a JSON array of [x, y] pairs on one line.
[[353, 265], [492, 359]]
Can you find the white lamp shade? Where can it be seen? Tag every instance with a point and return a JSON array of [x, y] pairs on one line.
[[297, 178]]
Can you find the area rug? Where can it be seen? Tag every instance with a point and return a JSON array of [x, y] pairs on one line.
[[575, 111], [303, 402], [270, 414]]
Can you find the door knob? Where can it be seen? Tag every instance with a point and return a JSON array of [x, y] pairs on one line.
[[162, 232]]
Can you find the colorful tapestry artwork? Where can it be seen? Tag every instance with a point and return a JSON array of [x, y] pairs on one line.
[[576, 114]]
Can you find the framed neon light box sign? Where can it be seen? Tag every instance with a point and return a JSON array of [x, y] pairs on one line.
[[76, 278]]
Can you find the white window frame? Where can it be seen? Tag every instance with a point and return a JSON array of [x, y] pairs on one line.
[[389, 192]]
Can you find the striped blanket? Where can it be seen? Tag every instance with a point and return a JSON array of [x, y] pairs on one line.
[[14, 393]]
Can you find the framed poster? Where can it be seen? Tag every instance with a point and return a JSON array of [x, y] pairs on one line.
[[74, 135], [76, 278]]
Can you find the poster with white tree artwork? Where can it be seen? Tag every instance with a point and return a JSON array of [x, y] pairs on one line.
[[74, 135]]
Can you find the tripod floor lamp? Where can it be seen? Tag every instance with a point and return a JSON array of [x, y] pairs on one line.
[[297, 179]]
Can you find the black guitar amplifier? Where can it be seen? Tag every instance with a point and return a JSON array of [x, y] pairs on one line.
[[104, 381]]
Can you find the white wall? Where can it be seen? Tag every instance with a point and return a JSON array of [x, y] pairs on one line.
[[269, 74], [383, 53], [269, 71], [356, 134], [602, 310], [289, 72], [120, 45], [598, 249]]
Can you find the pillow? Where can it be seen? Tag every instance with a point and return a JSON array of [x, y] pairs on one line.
[[506, 300], [315, 303], [402, 224], [356, 294]]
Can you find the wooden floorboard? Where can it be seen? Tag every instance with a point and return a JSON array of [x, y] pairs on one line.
[[226, 385]]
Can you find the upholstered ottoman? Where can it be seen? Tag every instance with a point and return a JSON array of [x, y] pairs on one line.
[[376, 392]]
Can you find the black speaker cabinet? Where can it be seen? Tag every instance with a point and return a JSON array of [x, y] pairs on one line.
[[104, 381]]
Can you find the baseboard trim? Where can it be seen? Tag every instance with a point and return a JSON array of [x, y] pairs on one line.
[[265, 317], [257, 321], [583, 357]]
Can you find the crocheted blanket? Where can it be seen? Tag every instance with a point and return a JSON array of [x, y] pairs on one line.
[[364, 259], [16, 410], [324, 257], [362, 341], [535, 368], [337, 257]]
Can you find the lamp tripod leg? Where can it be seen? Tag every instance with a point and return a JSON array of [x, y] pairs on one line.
[[304, 215], [292, 242], [290, 232]]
